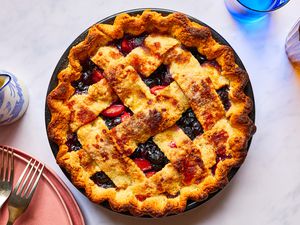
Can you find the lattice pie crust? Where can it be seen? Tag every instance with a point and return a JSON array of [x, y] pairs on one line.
[[194, 167]]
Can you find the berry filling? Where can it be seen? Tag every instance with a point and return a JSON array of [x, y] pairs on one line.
[[150, 173], [113, 110], [73, 143], [160, 77], [221, 156], [224, 96], [97, 75], [143, 164], [115, 114], [149, 158], [128, 43], [189, 124], [201, 58], [90, 74], [125, 116], [112, 122], [156, 88], [102, 180]]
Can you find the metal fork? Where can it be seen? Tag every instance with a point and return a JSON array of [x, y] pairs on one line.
[[21, 197], [6, 173]]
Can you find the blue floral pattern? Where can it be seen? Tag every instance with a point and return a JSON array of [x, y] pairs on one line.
[[11, 109]]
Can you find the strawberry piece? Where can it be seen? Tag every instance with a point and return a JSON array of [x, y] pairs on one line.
[[126, 46], [113, 110], [125, 116], [143, 164], [150, 173], [96, 76], [156, 88]]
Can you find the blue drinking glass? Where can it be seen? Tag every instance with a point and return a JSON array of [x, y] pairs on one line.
[[253, 10]]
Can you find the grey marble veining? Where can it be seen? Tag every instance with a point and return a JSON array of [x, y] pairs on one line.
[[266, 190]]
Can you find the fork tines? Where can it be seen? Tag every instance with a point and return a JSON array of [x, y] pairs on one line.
[[29, 179], [6, 163]]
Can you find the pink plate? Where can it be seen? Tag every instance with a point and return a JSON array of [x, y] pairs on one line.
[[52, 202]]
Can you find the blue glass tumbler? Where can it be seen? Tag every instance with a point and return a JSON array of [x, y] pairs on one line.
[[253, 10]]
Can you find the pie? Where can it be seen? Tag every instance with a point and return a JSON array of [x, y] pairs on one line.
[[150, 112]]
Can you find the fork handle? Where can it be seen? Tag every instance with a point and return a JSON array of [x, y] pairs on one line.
[[14, 213]]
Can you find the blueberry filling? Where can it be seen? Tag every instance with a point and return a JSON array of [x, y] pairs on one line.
[[189, 124], [201, 58], [112, 122], [223, 94], [115, 115], [149, 157], [161, 76], [102, 180], [73, 143], [90, 75], [128, 43]]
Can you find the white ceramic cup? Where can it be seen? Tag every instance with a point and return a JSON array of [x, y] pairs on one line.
[[13, 98]]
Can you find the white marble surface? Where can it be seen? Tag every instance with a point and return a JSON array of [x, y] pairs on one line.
[[266, 190]]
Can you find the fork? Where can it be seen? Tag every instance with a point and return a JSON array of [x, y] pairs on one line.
[[21, 196], [6, 173]]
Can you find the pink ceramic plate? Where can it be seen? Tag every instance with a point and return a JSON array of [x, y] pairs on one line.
[[52, 203]]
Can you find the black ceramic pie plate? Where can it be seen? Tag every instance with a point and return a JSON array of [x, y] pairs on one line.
[[63, 62]]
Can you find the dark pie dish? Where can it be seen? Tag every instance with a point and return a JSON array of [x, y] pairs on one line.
[[146, 157]]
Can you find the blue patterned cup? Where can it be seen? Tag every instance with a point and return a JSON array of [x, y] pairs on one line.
[[13, 98]]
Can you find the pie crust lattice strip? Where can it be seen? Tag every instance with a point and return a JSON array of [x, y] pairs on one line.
[[150, 112]]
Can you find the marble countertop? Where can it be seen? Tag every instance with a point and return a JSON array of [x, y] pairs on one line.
[[266, 190]]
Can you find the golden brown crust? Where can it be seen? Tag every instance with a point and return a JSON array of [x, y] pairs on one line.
[[168, 190]]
